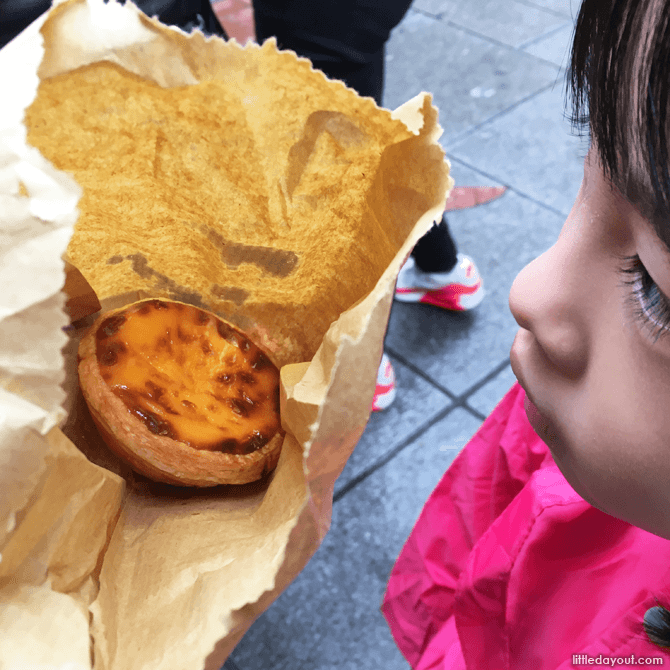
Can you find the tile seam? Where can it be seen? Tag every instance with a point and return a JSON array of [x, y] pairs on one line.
[[420, 373], [474, 33], [473, 129], [390, 455], [459, 401], [456, 398], [487, 38], [539, 38], [511, 189], [546, 10]]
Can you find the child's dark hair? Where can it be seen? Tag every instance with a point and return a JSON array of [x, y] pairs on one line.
[[619, 80]]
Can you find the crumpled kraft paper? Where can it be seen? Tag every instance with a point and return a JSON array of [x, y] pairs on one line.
[[301, 202]]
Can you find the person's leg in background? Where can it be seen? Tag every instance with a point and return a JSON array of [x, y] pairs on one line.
[[436, 274], [343, 38], [187, 14], [346, 40], [16, 15]]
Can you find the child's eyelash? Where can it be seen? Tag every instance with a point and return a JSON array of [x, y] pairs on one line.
[[651, 307]]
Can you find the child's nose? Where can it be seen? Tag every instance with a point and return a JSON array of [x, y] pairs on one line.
[[544, 300]]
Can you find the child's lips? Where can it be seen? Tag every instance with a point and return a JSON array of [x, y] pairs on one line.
[[515, 361], [536, 419]]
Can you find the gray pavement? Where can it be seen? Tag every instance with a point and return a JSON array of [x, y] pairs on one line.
[[496, 72]]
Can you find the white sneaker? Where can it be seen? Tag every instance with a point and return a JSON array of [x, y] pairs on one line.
[[385, 391], [459, 290]]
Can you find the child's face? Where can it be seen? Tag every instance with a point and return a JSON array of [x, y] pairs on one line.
[[600, 383]]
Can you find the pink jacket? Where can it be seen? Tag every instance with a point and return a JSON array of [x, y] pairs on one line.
[[508, 568]]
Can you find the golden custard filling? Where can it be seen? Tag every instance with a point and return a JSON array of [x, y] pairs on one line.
[[190, 377]]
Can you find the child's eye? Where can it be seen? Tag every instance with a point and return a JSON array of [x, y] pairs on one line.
[[650, 305]]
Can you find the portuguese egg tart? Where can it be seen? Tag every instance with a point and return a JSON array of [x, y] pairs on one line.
[[181, 395]]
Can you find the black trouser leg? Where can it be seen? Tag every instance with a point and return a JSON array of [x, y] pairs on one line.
[[343, 38], [436, 250], [335, 48]]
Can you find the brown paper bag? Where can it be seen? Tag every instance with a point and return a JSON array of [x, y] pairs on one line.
[[290, 215]]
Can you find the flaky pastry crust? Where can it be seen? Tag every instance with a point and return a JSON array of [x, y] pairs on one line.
[[159, 457]]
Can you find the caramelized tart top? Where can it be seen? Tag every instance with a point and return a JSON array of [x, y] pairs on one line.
[[189, 376]]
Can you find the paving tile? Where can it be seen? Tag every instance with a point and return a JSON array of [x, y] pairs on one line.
[[458, 349], [554, 48], [486, 398], [563, 8], [329, 618], [471, 78], [416, 403], [531, 149], [512, 23], [449, 8], [566, 8]]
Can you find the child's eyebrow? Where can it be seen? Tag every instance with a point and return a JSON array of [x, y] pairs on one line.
[[608, 88], [617, 89], [645, 202], [665, 239], [636, 188]]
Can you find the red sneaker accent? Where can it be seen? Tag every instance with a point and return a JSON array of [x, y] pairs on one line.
[[448, 296], [383, 388]]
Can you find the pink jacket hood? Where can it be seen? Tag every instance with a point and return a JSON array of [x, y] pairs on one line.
[[508, 568]]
